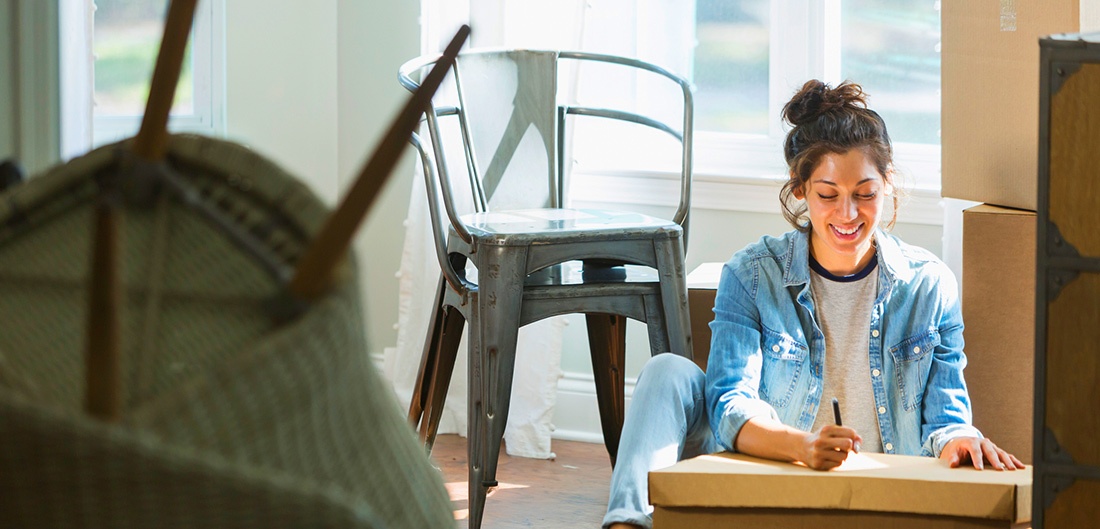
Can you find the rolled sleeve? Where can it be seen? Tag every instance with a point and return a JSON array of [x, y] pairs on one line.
[[735, 362], [946, 411]]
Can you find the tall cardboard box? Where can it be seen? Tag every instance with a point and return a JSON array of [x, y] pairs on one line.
[[702, 286], [990, 93], [869, 491], [998, 302]]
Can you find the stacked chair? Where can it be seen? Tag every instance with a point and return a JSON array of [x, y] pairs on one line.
[[534, 256]]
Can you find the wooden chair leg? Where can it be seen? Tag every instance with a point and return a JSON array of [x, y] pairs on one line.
[[607, 343], [450, 339], [428, 360]]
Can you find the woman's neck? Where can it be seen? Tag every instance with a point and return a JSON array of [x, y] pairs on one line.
[[842, 264]]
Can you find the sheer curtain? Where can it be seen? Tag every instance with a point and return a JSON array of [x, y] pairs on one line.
[[610, 27]]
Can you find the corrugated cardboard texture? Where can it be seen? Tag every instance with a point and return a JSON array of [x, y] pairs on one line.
[[702, 285], [998, 297], [695, 518], [990, 105], [866, 482]]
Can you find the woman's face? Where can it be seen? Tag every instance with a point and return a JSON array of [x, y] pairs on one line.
[[845, 197]]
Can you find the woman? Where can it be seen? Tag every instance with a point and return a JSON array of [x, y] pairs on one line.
[[835, 308]]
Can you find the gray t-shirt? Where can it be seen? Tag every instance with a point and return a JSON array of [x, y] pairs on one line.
[[844, 312]]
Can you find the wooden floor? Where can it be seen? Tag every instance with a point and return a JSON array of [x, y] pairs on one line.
[[568, 491]]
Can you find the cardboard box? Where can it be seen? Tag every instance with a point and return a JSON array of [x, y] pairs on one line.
[[998, 301], [868, 491], [702, 285], [990, 93]]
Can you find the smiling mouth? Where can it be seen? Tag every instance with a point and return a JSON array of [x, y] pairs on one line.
[[846, 233]]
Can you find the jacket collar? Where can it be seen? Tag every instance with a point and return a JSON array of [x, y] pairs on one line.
[[797, 269]]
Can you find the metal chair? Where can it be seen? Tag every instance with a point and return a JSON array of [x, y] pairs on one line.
[[534, 257]]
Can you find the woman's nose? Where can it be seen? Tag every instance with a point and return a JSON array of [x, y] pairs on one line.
[[848, 209]]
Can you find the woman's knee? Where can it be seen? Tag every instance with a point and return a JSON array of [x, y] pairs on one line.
[[672, 371]]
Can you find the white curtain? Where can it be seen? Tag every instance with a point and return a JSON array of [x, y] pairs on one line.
[[606, 27]]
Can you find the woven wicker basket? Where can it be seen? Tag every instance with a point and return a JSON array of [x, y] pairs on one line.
[[229, 419]]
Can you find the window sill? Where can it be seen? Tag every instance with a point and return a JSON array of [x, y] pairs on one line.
[[754, 194]]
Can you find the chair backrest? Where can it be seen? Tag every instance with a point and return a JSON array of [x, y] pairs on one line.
[[512, 128], [509, 101]]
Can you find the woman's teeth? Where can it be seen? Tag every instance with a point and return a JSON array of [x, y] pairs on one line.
[[844, 231]]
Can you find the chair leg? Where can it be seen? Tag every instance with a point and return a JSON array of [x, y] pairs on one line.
[[607, 344], [656, 325], [670, 262], [441, 376], [494, 326], [425, 374]]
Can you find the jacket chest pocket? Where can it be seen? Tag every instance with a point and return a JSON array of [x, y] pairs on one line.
[[783, 361], [912, 361]]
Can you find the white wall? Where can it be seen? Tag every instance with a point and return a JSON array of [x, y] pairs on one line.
[[281, 85], [375, 38], [313, 86]]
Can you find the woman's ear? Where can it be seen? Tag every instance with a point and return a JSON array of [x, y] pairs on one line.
[[798, 193], [891, 174]]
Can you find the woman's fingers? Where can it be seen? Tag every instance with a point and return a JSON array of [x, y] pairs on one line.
[[992, 454], [834, 444], [974, 450], [1019, 464]]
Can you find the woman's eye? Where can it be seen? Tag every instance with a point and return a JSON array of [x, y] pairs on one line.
[[826, 197], [868, 196]]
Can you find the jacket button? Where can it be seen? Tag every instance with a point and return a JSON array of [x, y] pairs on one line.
[[875, 372], [775, 348], [889, 446], [882, 409], [874, 333], [916, 350]]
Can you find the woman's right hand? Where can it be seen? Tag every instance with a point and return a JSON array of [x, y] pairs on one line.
[[828, 447]]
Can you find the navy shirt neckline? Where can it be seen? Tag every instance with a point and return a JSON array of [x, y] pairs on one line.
[[821, 271]]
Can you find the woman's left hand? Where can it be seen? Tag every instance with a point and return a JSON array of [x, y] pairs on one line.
[[962, 449]]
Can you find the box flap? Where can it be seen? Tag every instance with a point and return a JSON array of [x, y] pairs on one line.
[[866, 482], [989, 209]]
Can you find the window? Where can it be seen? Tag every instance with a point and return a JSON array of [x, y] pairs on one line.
[[752, 55], [746, 58], [126, 38]]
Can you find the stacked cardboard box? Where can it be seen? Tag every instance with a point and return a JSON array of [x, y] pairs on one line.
[[998, 301], [990, 138], [990, 86]]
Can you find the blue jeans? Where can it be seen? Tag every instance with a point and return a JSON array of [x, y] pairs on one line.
[[666, 422]]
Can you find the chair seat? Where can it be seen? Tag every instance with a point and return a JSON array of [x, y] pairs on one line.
[[563, 225], [577, 273]]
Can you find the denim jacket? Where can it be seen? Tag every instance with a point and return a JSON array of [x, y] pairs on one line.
[[767, 349]]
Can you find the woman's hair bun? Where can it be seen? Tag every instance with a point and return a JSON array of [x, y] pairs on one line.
[[816, 98]]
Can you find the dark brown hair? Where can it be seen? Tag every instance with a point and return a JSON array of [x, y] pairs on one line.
[[830, 120]]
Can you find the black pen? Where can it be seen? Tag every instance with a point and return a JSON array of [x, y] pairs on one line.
[[836, 416]]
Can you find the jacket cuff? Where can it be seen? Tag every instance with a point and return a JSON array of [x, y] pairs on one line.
[[939, 438], [736, 416]]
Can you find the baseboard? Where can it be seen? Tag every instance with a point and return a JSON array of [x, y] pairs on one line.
[[576, 414]]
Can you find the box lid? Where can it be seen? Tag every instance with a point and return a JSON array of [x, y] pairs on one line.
[[705, 276], [866, 482]]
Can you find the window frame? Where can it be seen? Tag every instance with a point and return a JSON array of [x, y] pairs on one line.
[[208, 116]]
